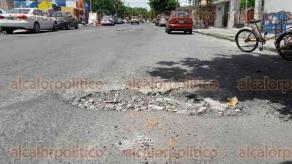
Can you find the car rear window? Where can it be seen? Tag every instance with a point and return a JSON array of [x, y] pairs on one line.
[[19, 11], [106, 17], [179, 14], [57, 14]]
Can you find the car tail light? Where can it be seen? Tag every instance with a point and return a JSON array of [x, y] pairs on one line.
[[22, 17], [2, 17]]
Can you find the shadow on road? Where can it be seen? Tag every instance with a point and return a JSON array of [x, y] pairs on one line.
[[286, 162], [228, 70], [28, 32], [179, 33]]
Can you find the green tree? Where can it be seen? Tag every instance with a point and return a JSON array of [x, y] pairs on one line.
[[136, 11], [250, 3], [163, 5], [117, 7], [108, 6]]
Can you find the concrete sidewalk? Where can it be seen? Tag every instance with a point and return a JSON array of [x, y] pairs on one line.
[[229, 34]]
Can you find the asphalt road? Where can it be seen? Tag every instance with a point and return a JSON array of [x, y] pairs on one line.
[[32, 119]]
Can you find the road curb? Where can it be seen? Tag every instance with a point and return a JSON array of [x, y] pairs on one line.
[[232, 39]]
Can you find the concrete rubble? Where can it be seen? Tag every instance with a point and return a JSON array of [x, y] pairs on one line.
[[128, 100]]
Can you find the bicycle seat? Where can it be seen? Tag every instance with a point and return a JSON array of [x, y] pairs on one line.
[[255, 21]]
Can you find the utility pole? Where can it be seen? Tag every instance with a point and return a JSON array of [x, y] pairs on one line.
[[246, 11], [90, 5], [116, 8], [258, 9], [246, 1]]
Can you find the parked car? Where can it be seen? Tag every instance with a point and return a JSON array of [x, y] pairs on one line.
[[65, 20], [154, 20], [2, 11], [27, 18], [135, 20], [162, 21], [126, 21], [119, 21], [179, 21], [157, 19], [107, 20]]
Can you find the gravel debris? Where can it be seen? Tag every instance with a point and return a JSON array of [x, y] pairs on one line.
[[130, 100]]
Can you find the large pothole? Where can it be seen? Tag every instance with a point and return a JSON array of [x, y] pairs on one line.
[[172, 101]]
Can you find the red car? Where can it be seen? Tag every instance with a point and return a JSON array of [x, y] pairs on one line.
[[179, 21]]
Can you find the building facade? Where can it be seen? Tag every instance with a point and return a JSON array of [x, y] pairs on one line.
[[44, 4], [222, 10], [35, 3], [6, 4], [272, 6], [227, 13]]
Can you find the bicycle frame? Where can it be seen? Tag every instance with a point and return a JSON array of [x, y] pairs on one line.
[[262, 38], [255, 35]]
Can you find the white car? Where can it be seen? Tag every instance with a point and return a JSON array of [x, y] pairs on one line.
[[135, 20], [107, 20], [162, 22], [2, 11], [31, 19]]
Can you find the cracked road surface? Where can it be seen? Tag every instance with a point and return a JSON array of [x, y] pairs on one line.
[[32, 119]]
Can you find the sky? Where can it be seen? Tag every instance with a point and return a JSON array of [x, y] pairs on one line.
[[144, 3]]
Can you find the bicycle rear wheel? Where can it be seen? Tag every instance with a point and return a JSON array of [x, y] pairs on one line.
[[284, 46], [246, 40]]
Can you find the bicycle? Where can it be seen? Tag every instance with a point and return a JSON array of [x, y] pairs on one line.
[[248, 39]]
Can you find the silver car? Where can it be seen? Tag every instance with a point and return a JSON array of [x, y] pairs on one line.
[[31, 19]]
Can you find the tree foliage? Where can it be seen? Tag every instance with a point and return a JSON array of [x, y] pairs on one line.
[[250, 3], [136, 11], [163, 5], [117, 7]]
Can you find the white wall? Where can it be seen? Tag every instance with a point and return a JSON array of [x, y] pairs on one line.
[[272, 6], [219, 15]]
